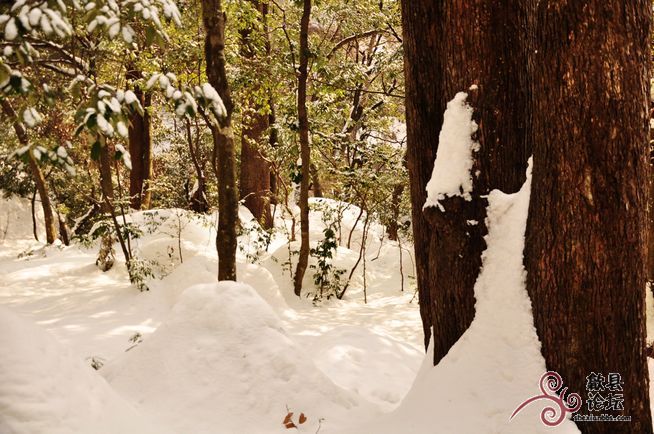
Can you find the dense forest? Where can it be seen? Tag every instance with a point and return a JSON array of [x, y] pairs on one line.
[[223, 216]]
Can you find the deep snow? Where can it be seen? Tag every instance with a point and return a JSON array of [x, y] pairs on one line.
[[208, 358], [195, 356]]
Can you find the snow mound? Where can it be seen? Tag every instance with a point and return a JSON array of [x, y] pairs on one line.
[[45, 389], [223, 363], [356, 359], [451, 175], [497, 364]]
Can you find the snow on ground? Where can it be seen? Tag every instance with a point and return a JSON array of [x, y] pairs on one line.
[[45, 388], [176, 353], [496, 365], [223, 345]]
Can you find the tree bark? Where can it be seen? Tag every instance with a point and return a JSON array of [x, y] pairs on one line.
[[394, 225], [37, 173], [140, 147], [273, 140], [198, 200], [450, 46], [224, 161], [316, 184], [305, 150], [255, 168], [106, 182], [585, 239], [650, 208]]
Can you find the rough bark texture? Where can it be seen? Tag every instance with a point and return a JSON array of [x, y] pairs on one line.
[[37, 173], [585, 244], [305, 150], [214, 20], [140, 148], [450, 46], [255, 168]]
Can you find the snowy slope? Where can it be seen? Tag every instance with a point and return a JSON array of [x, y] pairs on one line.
[[45, 388], [336, 362], [497, 364], [223, 363]]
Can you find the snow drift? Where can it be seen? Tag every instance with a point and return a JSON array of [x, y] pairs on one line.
[[497, 364], [45, 389], [223, 363]]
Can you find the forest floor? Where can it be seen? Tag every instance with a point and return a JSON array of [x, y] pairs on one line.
[[177, 366], [193, 356]]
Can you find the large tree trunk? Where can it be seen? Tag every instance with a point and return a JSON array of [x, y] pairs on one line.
[[450, 46], [224, 161], [585, 242], [37, 173], [140, 147], [305, 150], [255, 168]]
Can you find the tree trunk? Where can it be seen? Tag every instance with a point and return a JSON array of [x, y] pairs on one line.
[[224, 161], [450, 46], [650, 209], [37, 173], [585, 241], [305, 150], [140, 147], [394, 225], [255, 169], [316, 185], [106, 182], [273, 140], [198, 199]]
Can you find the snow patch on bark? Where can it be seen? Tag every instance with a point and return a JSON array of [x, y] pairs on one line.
[[454, 159]]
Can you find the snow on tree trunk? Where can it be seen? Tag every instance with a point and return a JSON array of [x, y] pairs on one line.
[[476, 47]]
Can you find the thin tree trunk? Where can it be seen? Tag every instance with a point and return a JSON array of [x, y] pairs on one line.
[[198, 200], [305, 150], [34, 228], [37, 173], [449, 47], [394, 224], [273, 140], [224, 160], [106, 182], [585, 239], [140, 147]]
